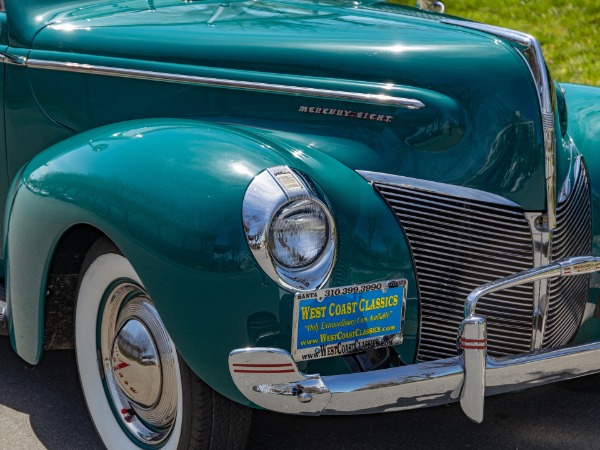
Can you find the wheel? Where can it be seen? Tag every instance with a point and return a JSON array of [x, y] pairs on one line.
[[139, 391]]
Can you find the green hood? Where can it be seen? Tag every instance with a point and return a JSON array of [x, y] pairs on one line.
[[480, 127]]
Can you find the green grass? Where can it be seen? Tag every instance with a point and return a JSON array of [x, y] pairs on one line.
[[569, 30]]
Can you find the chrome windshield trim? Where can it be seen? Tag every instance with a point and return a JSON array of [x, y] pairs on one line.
[[378, 99], [461, 192], [531, 51]]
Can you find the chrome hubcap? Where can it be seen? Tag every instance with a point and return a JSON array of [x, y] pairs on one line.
[[136, 364], [139, 363]]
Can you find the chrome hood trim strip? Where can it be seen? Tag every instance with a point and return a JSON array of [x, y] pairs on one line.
[[377, 99]]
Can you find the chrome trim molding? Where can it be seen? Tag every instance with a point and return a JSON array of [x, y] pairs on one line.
[[378, 99], [7, 58], [269, 192], [531, 51], [438, 188], [270, 378]]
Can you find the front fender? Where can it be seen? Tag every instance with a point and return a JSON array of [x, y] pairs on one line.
[[169, 194]]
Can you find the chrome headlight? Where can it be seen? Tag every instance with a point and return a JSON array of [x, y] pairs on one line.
[[289, 229]]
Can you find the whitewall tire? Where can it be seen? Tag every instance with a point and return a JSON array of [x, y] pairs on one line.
[[139, 392]]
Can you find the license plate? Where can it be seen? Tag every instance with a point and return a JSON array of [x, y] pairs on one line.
[[349, 319]]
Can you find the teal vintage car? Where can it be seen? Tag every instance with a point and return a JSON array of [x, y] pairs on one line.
[[313, 207]]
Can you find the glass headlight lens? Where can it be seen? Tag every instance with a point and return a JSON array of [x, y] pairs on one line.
[[298, 234]]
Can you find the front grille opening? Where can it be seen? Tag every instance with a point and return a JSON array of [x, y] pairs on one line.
[[460, 243]]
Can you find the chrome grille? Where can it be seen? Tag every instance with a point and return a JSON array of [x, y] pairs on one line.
[[573, 237], [459, 244]]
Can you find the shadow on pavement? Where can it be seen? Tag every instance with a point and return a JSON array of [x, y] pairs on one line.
[[42, 406], [546, 417]]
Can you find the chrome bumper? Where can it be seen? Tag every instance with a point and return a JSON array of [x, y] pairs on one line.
[[270, 378]]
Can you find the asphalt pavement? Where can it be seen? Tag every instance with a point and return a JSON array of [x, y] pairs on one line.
[[41, 407]]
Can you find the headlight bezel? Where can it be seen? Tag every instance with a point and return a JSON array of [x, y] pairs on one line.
[[267, 196]]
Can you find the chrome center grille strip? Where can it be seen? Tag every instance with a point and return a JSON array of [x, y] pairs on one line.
[[531, 51]]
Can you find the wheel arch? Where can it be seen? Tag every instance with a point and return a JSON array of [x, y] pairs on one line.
[[57, 213]]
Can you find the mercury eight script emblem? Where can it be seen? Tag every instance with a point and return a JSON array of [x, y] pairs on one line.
[[345, 113]]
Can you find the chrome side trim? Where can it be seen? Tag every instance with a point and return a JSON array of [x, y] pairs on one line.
[[7, 58], [434, 186], [377, 99], [531, 51]]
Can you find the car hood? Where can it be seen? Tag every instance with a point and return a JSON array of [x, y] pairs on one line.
[[483, 125]]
